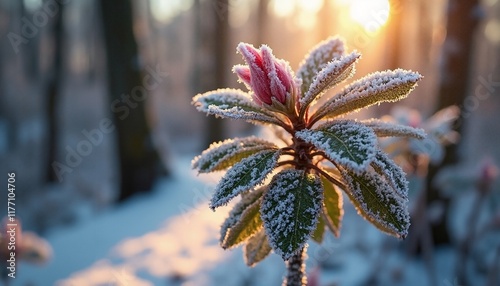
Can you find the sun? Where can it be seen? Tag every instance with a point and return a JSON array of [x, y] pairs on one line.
[[371, 14]]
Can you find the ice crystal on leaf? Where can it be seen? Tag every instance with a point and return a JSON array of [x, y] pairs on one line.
[[290, 210], [323, 156]]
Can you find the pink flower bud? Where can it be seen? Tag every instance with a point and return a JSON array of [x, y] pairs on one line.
[[269, 78]]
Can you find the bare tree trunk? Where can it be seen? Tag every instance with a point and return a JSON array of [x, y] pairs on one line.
[[140, 163], [454, 85], [211, 40], [53, 92]]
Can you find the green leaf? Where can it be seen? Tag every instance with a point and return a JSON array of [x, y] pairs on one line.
[[318, 233], [393, 174], [257, 248], [290, 210], [386, 86], [345, 142], [375, 200], [248, 224], [333, 206], [317, 58], [222, 155], [244, 175], [234, 104], [333, 73], [240, 213]]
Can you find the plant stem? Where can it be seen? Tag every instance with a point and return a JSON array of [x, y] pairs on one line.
[[296, 269]]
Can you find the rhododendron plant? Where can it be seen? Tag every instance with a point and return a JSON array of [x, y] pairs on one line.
[[292, 190]]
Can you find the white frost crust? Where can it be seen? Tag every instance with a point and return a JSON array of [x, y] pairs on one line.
[[389, 129], [243, 176], [234, 104], [345, 142]]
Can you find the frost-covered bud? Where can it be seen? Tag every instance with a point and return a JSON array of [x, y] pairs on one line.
[[270, 79]]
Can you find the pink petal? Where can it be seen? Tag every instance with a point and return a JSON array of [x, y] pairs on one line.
[[278, 90], [243, 73]]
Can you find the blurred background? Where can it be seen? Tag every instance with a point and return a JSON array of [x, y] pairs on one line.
[[96, 122]]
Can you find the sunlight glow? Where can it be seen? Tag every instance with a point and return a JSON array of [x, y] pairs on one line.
[[164, 11], [283, 8], [371, 14]]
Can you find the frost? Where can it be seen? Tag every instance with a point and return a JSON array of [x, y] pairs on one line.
[[243, 176], [376, 202], [386, 129], [236, 213], [345, 142], [386, 86], [317, 58], [257, 248], [234, 104], [290, 210], [333, 73], [222, 155], [395, 176], [248, 224]]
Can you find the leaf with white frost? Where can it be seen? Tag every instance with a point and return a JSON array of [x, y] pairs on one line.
[[386, 86], [345, 142], [243, 176], [247, 224], [319, 232], [333, 207], [317, 58], [222, 155], [257, 248], [290, 210], [237, 211], [388, 129], [234, 104], [394, 175], [375, 200], [333, 73]]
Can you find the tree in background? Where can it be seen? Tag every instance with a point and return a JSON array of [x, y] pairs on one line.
[[53, 91], [456, 59], [139, 162], [210, 50]]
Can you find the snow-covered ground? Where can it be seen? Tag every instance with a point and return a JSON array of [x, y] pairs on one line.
[[171, 238]]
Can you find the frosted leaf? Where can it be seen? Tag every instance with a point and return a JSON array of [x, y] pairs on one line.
[[257, 248], [248, 224], [243, 176], [234, 104], [346, 142], [290, 210], [333, 207], [388, 129], [235, 215], [317, 58], [394, 175], [375, 200], [333, 73], [386, 86], [222, 155], [319, 232]]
